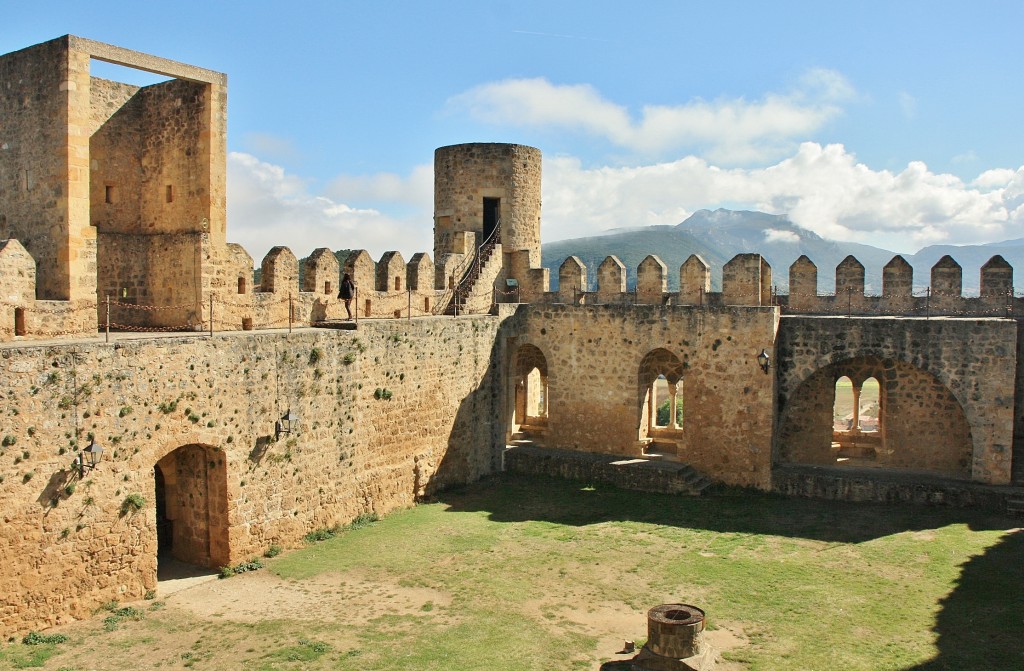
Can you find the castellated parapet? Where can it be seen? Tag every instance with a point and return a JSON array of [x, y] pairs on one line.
[[747, 281], [125, 204]]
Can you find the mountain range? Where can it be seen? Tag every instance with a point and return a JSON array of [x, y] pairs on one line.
[[719, 235]]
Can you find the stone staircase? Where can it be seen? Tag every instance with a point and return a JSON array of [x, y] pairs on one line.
[[472, 294], [641, 474]]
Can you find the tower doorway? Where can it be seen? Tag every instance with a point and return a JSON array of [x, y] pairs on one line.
[[492, 215]]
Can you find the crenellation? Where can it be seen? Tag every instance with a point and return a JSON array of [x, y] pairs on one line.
[[611, 280], [694, 280], [572, 280], [996, 278], [651, 281], [947, 278], [408, 400]]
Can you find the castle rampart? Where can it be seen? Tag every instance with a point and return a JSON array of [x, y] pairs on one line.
[[386, 415], [741, 384]]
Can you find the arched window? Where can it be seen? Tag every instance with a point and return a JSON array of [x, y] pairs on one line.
[[660, 394], [666, 396], [869, 407], [843, 415]]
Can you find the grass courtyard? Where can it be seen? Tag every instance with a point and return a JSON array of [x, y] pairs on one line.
[[515, 573]]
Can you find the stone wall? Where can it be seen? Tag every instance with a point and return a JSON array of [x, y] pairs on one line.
[[594, 355], [929, 366], [42, 182], [388, 413]]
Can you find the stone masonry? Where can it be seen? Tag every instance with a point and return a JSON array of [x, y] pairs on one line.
[[112, 209]]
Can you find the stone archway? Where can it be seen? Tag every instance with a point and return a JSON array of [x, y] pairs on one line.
[[191, 501], [659, 387], [921, 425], [530, 373]]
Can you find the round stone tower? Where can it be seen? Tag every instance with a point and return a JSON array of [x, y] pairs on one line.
[[480, 187]]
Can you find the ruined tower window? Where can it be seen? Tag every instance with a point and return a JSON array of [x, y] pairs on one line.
[[426, 304], [29, 180], [327, 287], [108, 193], [241, 285], [170, 193], [19, 321], [366, 310], [398, 283], [246, 323]]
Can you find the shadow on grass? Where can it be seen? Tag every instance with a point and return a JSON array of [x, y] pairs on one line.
[[980, 624], [513, 498]]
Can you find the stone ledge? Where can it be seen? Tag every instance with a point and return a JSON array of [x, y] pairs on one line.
[[645, 475]]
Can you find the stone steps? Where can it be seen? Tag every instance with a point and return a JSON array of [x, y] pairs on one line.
[[642, 474], [1015, 506]]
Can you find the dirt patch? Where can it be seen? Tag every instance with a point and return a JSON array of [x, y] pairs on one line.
[[331, 597]]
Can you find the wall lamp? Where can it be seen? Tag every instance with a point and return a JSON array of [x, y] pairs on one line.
[[764, 361], [288, 423], [89, 458]]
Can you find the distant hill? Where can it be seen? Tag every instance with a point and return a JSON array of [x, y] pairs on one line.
[[720, 235]]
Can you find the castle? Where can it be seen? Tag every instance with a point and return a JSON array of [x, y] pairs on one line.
[[233, 416]]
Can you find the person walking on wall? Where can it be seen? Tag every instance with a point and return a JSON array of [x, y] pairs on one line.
[[347, 292]]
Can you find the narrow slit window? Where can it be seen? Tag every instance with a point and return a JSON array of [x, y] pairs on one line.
[[366, 310], [19, 321], [170, 193], [241, 285], [398, 283], [108, 194], [327, 287]]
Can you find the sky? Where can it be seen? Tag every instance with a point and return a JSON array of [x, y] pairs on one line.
[[896, 124]]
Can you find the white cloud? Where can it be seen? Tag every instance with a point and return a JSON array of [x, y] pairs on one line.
[[776, 235], [268, 207], [821, 188], [732, 131], [416, 190]]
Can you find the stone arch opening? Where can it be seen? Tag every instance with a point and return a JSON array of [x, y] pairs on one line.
[[190, 486], [660, 401], [531, 389], [876, 413]]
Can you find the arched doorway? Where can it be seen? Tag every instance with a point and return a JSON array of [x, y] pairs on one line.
[[530, 373], [191, 504]]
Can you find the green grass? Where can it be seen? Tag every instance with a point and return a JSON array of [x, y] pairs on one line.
[[809, 584]]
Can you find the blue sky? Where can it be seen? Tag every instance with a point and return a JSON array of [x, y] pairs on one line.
[[891, 123]]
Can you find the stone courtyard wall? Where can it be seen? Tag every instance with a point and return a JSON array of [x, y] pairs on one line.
[[594, 355], [974, 359], [387, 414]]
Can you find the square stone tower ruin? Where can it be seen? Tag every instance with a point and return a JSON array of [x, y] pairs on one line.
[[114, 189]]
